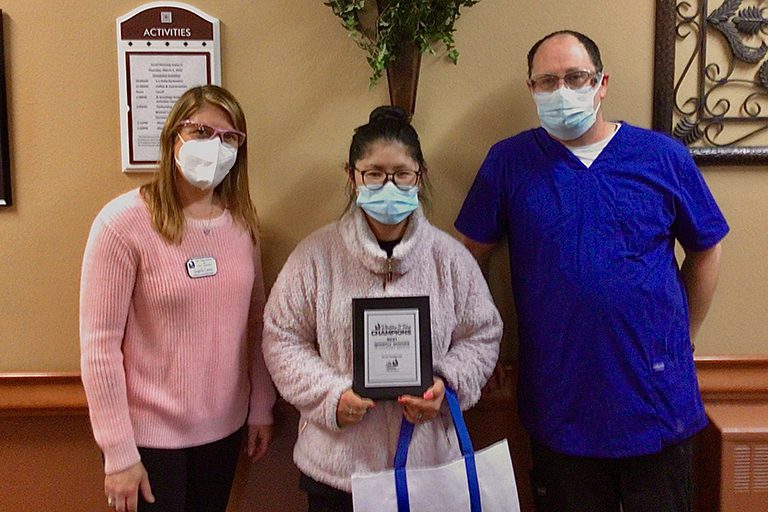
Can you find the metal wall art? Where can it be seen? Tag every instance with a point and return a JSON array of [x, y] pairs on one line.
[[711, 78]]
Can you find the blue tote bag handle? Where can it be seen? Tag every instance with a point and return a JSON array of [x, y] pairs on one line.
[[406, 431]]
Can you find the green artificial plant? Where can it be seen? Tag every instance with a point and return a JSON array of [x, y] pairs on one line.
[[399, 23]]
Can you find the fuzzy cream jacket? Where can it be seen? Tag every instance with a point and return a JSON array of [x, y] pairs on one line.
[[308, 340]]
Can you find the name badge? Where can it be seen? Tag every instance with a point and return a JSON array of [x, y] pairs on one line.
[[201, 267]]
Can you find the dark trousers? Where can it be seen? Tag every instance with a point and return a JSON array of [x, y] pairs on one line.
[[660, 482], [324, 498], [196, 479]]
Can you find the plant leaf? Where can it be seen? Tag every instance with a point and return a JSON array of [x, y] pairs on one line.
[[750, 21], [724, 12], [402, 22], [687, 131], [740, 51]]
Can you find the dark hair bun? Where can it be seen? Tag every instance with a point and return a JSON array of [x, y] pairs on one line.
[[389, 113]]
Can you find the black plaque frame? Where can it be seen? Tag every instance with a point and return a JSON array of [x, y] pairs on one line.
[[359, 307], [734, 24], [5, 165]]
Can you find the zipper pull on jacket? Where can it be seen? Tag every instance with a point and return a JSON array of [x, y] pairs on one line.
[[388, 275]]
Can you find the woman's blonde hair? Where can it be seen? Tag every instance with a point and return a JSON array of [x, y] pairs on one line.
[[161, 194]]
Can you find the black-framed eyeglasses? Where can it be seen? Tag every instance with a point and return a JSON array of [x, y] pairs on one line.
[[192, 130], [375, 179], [547, 82]]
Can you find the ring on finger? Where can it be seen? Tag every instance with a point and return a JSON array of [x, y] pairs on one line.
[[110, 502]]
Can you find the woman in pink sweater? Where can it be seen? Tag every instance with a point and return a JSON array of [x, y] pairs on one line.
[[171, 306]]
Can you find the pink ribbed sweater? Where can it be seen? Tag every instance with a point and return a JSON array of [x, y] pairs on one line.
[[164, 356]]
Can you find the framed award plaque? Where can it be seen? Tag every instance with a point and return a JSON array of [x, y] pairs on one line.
[[392, 347]]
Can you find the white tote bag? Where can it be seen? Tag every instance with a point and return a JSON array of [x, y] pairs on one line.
[[479, 482]]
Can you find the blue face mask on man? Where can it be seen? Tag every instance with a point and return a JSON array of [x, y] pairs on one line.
[[388, 204], [565, 113]]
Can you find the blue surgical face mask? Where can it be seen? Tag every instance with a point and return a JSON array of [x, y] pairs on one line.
[[565, 113], [388, 205]]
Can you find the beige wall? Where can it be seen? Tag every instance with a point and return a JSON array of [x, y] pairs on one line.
[[304, 87]]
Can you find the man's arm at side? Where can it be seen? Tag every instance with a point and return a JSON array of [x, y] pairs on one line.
[[482, 253], [479, 250], [700, 271]]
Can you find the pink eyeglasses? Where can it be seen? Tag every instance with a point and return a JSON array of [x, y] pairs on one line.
[[192, 130]]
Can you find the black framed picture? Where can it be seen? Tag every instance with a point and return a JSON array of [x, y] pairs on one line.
[[392, 347], [5, 166]]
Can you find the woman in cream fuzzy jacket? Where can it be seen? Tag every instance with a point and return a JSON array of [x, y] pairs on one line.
[[382, 247]]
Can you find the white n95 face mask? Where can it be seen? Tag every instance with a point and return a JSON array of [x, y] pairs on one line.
[[565, 113], [205, 163]]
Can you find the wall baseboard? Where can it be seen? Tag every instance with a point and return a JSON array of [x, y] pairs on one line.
[[720, 378], [723, 378], [28, 394]]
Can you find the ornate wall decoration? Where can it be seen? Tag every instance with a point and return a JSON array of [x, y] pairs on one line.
[[711, 78]]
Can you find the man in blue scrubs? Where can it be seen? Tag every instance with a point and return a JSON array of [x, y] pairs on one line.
[[592, 209]]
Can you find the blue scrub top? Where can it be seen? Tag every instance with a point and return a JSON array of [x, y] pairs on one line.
[[605, 359]]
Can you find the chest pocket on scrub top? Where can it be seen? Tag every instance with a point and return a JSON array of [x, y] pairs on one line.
[[642, 221]]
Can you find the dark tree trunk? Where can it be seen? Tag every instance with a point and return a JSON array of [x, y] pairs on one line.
[[403, 73]]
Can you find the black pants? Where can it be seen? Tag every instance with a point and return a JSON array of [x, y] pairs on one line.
[[660, 482], [324, 498], [196, 479]]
